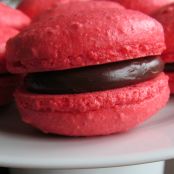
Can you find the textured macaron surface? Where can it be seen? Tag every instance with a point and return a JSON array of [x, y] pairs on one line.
[[12, 17], [166, 17], [5, 34], [98, 113], [146, 6], [77, 38]]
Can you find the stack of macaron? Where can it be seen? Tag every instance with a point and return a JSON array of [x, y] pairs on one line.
[[165, 16], [11, 21], [90, 70], [145, 6]]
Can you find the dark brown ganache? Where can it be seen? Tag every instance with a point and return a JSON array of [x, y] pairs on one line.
[[95, 78]]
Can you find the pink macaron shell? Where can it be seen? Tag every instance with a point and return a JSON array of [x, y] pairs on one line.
[[120, 35], [5, 34], [99, 113], [146, 6], [8, 84], [12, 17], [165, 16]]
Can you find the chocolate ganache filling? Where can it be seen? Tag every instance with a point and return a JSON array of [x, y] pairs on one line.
[[94, 78], [169, 67]]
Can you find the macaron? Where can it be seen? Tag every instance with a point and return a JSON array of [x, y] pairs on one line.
[[145, 6], [12, 17], [8, 81], [11, 21], [165, 16], [89, 72]]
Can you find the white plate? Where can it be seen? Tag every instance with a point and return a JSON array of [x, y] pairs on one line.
[[24, 147]]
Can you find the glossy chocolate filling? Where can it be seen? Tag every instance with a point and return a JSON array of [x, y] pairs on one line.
[[169, 67], [94, 78]]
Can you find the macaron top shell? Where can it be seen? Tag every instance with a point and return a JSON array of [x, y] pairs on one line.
[[5, 34], [166, 17], [12, 17], [78, 38], [146, 6]]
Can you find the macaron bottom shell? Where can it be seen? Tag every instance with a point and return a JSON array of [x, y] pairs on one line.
[[7, 87], [126, 114]]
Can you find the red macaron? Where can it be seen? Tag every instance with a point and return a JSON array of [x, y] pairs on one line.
[[13, 17], [5, 34], [165, 16], [90, 72], [11, 21], [7, 81], [145, 6]]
